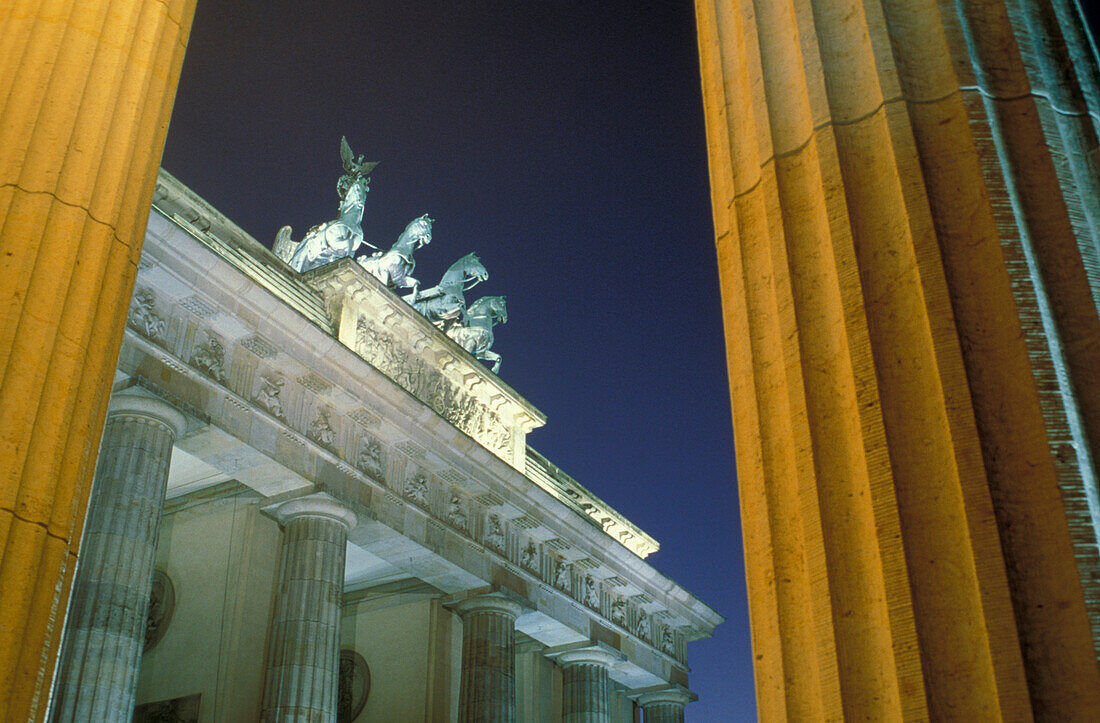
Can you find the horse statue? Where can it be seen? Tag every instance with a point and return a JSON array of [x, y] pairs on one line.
[[393, 267], [332, 240], [444, 303], [475, 332]]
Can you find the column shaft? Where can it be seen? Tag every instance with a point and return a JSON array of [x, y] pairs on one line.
[[907, 245], [105, 632], [487, 692], [586, 693], [86, 91], [304, 659]]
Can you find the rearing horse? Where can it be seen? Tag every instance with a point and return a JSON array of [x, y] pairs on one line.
[[475, 333], [444, 303], [393, 267], [336, 239]]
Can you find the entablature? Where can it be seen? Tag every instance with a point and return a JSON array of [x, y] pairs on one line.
[[292, 408]]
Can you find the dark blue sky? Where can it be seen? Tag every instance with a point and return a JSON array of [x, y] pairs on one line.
[[563, 142]]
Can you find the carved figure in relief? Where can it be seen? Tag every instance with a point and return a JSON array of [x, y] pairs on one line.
[[268, 396], [464, 411], [142, 316], [642, 628], [667, 645], [445, 303], [527, 558], [320, 429], [209, 358], [394, 267], [416, 489], [618, 611], [495, 537], [591, 592], [336, 239], [561, 575], [370, 459], [475, 332], [455, 514]]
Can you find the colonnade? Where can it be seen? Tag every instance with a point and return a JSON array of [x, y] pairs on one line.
[[104, 637]]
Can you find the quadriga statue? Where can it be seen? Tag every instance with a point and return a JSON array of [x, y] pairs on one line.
[[394, 267], [475, 332], [336, 239], [445, 303]]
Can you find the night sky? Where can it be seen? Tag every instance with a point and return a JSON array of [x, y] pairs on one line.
[[564, 143]]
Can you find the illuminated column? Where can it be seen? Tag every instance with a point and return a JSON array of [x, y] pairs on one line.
[[487, 692], [665, 705], [586, 684], [908, 244], [86, 91], [303, 668], [105, 632]]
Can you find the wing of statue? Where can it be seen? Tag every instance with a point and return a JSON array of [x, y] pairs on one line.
[[284, 246], [346, 155]]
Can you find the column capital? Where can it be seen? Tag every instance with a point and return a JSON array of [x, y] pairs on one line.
[[139, 403], [594, 652], [488, 600], [669, 693], [317, 504]]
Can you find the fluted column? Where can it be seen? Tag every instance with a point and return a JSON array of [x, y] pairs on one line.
[[586, 683], [106, 627], [665, 705], [487, 692], [908, 248], [86, 90], [304, 658]]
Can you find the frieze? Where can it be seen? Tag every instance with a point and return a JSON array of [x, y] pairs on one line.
[[451, 475], [667, 645], [618, 611], [321, 430], [209, 358], [456, 515], [431, 386], [416, 489], [562, 575], [364, 417], [198, 306], [314, 383], [410, 450], [143, 318], [259, 346], [494, 537], [371, 460], [529, 557], [268, 396], [591, 592]]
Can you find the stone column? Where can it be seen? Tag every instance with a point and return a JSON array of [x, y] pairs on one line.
[[105, 632], [665, 705], [487, 692], [86, 91], [586, 683], [907, 244], [304, 659]]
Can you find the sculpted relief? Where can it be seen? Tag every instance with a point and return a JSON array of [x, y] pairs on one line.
[[371, 459], [209, 358], [268, 396], [143, 317], [495, 537], [429, 385], [416, 489], [321, 430]]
